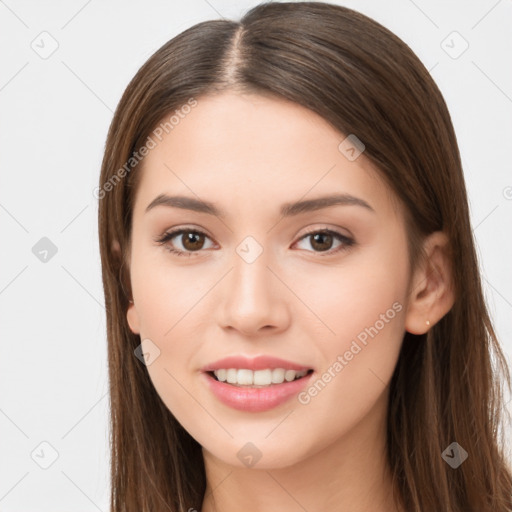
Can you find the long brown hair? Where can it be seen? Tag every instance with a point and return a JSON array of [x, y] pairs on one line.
[[448, 385]]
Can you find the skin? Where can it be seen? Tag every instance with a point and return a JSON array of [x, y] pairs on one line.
[[249, 154]]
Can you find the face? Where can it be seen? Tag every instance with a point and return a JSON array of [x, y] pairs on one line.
[[322, 289]]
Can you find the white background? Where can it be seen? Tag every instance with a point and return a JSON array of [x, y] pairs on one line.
[[55, 113]]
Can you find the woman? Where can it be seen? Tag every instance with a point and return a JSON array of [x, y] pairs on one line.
[[294, 311]]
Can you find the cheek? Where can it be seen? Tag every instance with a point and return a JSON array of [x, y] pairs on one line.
[[364, 305], [168, 300], [164, 292], [354, 296]]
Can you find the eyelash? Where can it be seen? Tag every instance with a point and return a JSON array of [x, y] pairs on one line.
[[346, 241]]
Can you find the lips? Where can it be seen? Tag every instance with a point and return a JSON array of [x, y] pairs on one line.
[[252, 397], [263, 362]]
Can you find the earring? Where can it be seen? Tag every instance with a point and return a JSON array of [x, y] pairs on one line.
[[428, 322]]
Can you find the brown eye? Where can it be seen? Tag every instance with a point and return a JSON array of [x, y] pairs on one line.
[[192, 240], [323, 240]]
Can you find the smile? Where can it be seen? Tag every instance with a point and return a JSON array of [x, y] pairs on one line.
[[256, 397], [258, 378]]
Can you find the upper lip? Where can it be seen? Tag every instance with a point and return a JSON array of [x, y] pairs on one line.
[[256, 363]]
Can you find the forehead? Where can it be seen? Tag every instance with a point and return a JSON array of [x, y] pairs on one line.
[[246, 150]]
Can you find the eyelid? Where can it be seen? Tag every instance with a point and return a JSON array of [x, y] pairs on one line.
[[335, 231]]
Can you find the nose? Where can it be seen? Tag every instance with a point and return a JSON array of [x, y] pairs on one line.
[[253, 298]]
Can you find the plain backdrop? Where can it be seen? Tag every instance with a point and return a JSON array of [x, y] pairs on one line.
[[63, 68]]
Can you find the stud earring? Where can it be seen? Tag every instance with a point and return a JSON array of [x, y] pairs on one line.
[[428, 322]]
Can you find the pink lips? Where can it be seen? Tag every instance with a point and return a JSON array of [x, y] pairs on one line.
[[250, 399], [256, 363]]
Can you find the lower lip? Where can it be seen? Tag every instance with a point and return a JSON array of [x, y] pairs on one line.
[[255, 399]]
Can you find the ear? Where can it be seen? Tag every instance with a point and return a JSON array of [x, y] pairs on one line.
[[133, 318], [431, 295], [131, 314], [116, 248]]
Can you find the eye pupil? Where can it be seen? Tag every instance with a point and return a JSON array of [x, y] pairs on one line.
[[189, 238], [319, 237]]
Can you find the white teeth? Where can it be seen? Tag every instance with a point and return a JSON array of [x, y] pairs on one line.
[[289, 375], [221, 375], [263, 377], [244, 377], [231, 375], [277, 375]]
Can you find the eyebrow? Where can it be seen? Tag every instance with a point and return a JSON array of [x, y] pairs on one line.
[[287, 209]]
